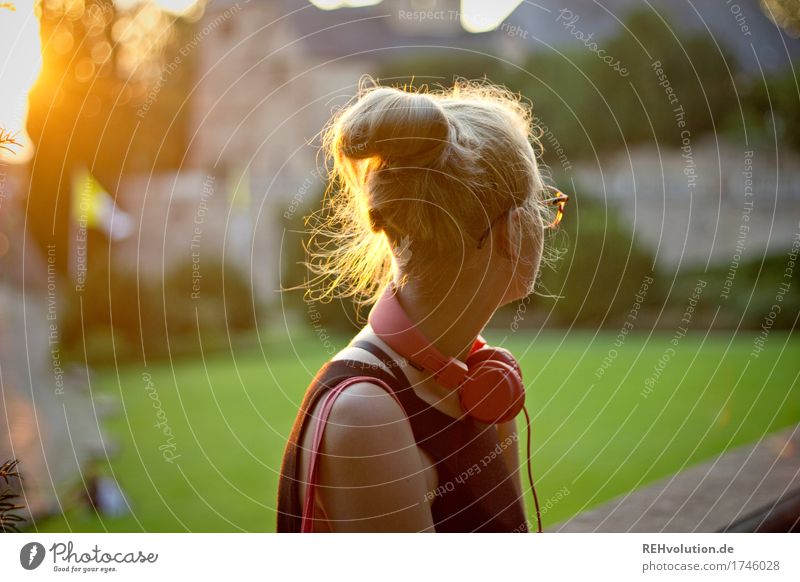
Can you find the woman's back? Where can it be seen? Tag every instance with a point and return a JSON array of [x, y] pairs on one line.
[[463, 479]]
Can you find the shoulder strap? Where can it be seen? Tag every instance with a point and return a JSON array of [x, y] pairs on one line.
[[427, 421], [308, 503], [389, 362]]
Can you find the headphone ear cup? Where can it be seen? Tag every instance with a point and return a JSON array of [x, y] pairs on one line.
[[492, 390], [493, 353]]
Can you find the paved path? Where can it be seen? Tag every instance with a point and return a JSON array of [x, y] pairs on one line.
[[47, 421], [705, 497]]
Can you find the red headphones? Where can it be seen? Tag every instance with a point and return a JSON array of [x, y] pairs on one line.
[[489, 384]]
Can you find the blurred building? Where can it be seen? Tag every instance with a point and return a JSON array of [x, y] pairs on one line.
[[724, 201], [266, 76]]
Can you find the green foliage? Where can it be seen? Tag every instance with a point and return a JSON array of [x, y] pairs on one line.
[[127, 319], [9, 498], [601, 269], [755, 288], [771, 110]]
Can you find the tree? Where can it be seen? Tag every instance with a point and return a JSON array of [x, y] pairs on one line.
[[99, 65]]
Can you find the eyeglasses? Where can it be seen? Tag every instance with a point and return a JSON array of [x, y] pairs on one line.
[[559, 201]]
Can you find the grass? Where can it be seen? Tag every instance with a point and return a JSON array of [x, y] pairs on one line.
[[598, 438]]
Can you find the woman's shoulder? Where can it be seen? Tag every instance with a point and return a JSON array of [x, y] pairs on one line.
[[366, 407], [367, 455], [372, 477], [367, 412]]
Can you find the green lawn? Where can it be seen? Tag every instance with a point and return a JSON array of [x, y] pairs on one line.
[[597, 438]]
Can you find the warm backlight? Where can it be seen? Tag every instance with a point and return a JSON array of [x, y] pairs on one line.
[[20, 62]]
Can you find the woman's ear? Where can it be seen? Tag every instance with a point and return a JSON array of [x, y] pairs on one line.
[[511, 234]]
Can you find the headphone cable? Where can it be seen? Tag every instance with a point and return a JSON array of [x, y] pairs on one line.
[[530, 474]]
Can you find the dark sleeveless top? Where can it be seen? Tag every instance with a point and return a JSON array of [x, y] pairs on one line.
[[475, 492]]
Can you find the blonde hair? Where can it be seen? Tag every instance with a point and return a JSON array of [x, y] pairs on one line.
[[423, 173]]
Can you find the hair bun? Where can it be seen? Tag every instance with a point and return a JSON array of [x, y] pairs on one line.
[[396, 126]]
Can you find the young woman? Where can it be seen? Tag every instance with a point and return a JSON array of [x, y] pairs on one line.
[[439, 210]]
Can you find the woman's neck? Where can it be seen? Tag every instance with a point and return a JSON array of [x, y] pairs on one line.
[[450, 318]]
